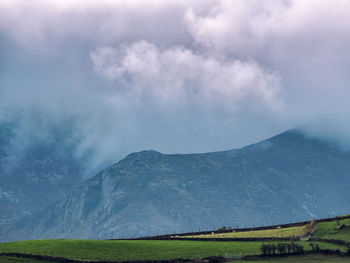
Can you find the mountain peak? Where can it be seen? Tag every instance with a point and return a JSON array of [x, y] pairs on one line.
[[145, 155]]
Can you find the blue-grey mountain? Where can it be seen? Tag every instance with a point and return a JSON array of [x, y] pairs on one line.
[[36, 168], [289, 177]]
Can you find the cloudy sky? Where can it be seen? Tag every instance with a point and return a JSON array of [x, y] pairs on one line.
[[177, 76]]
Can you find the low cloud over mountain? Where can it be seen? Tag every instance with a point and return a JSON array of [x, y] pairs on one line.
[[204, 73]]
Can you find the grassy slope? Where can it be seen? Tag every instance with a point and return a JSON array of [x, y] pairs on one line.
[[326, 230], [135, 249], [292, 259], [283, 232], [147, 249]]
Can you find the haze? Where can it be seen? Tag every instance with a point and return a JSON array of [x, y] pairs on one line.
[[175, 76]]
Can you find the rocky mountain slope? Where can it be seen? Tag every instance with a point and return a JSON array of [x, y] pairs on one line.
[[289, 177], [35, 169]]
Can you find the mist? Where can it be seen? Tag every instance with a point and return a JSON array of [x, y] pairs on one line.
[[174, 76]]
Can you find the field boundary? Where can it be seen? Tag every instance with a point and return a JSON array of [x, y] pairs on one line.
[[228, 239], [214, 259], [329, 252], [331, 241], [303, 223], [251, 239]]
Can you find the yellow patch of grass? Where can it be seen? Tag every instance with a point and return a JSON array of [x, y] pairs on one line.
[[277, 232]]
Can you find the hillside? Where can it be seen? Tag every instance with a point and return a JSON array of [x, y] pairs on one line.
[[328, 230], [36, 169], [289, 177]]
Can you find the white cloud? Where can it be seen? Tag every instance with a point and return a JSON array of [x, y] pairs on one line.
[[177, 76], [253, 26]]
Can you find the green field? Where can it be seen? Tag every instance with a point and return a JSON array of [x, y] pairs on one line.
[[170, 249], [282, 232], [291, 259], [136, 249], [327, 230]]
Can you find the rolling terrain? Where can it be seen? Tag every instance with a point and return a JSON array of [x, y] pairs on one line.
[[145, 250], [328, 230], [115, 250]]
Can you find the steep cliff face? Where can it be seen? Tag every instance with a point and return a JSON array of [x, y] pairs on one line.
[[35, 171], [289, 177]]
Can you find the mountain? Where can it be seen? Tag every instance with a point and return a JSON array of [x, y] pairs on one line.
[[36, 169], [289, 177]]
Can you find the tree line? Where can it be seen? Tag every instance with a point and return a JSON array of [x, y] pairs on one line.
[[292, 248], [282, 249]]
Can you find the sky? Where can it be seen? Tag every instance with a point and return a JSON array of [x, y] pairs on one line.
[[176, 76]]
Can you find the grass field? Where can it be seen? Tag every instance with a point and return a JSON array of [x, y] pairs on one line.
[[136, 249], [282, 232], [170, 249], [291, 259], [327, 230]]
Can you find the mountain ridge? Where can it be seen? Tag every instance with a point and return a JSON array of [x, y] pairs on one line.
[[282, 178]]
